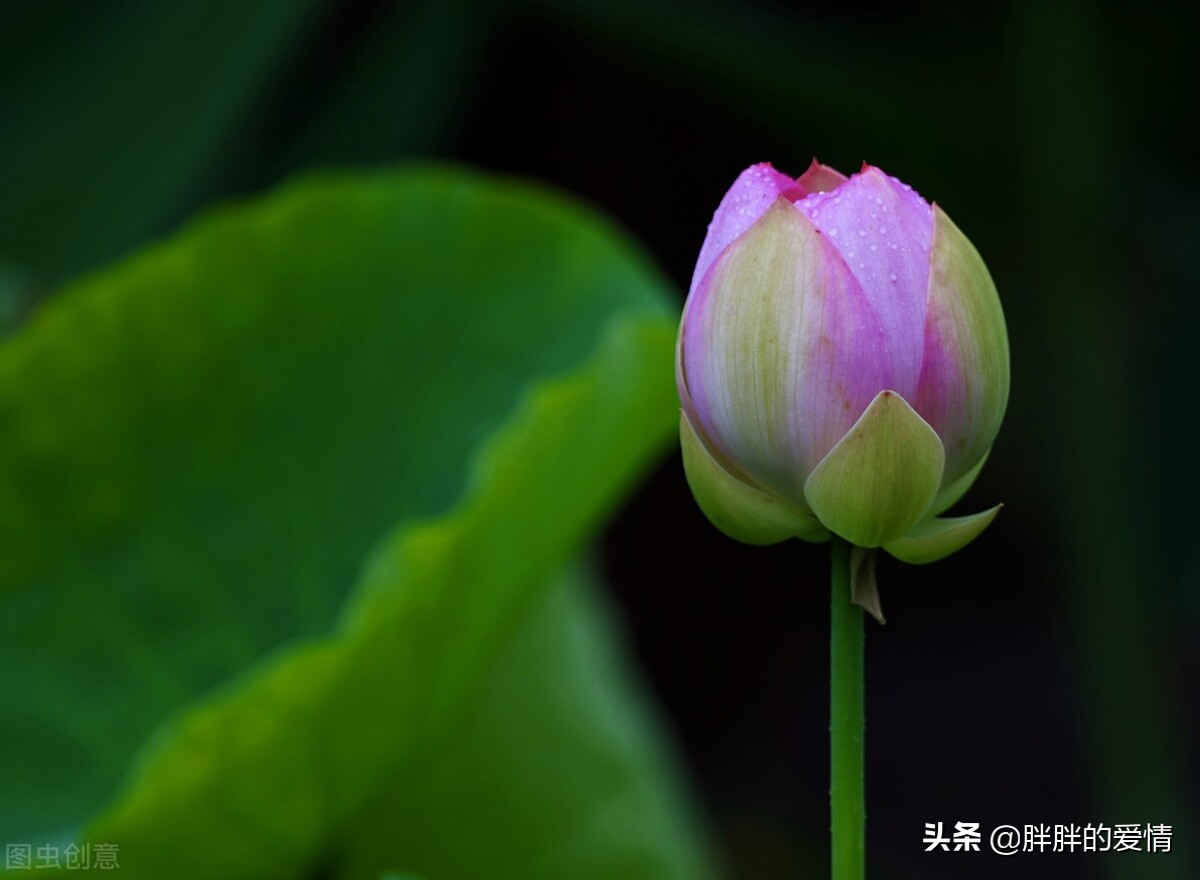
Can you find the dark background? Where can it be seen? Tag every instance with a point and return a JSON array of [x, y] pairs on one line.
[[1048, 674]]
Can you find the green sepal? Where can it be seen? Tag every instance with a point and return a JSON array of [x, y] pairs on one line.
[[936, 539], [738, 509], [879, 480], [951, 493]]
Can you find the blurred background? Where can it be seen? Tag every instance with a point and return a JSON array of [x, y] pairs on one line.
[[1048, 674]]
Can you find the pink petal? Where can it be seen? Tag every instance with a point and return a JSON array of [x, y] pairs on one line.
[[752, 193], [884, 231], [780, 351]]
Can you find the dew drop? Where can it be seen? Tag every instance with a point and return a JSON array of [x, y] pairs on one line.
[[874, 247], [878, 200], [833, 230], [892, 277], [862, 232], [883, 230]]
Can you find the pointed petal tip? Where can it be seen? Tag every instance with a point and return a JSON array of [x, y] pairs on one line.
[[936, 539], [749, 196], [819, 178], [904, 190]]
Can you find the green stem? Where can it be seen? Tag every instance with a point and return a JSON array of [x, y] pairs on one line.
[[847, 803]]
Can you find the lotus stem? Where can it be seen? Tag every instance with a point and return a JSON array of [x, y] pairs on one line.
[[847, 720]]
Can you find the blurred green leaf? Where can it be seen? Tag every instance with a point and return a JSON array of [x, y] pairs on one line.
[[547, 770], [198, 448], [552, 772], [115, 113], [283, 772]]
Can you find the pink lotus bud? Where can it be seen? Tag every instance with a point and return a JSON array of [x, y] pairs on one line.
[[842, 364]]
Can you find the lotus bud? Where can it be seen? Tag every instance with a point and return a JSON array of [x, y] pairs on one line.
[[842, 365]]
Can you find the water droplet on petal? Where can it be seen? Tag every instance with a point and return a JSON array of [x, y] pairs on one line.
[[862, 232], [833, 230]]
